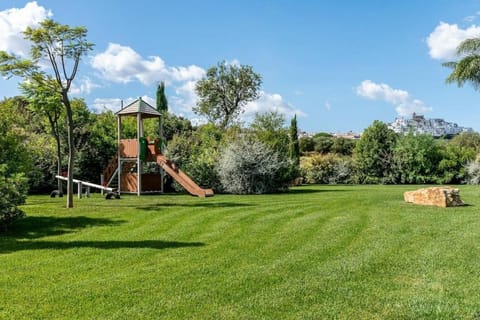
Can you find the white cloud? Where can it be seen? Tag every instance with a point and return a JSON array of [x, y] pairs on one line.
[[122, 64], [14, 21], [404, 102], [444, 40], [271, 102], [375, 91], [234, 62], [411, 106], [101, 104], [185, 97], [469, 19], [115, 104], [83, 86], [328, 105]]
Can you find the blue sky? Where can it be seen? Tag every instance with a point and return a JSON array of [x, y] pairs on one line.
[[338, 65]]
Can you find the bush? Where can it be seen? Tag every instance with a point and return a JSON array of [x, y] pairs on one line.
[[416, 159], [473, 171], [197, 153], [326, 169], [374, 154], [13, 192], [250, 167]]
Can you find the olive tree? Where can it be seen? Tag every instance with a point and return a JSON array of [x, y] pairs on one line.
[[224, 91]]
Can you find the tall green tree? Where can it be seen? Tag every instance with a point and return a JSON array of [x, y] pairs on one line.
[[294, 150], [162, 102], [269, 128], [467, 69], [374, 153], [323, 142], [15, 160], [416, 159], [306, 144], [45, 100], [343, 146], [63, 46], [224, 92]]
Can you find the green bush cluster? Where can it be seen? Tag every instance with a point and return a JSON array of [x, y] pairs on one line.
[[381, 156], [237, 160], [327, 169], [13, 192]]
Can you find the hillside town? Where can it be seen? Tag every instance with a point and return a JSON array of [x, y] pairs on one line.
[[418, 124]]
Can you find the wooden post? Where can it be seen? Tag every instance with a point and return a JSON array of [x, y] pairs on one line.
[[102, 181], [79, 190], [162, 141], [139, 161], [119, 154]]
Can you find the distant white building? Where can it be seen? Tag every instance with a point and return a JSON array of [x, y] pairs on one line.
[[419, 125]]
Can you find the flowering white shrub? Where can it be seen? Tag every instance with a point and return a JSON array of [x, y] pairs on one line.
[[250, 167], [473, 171]]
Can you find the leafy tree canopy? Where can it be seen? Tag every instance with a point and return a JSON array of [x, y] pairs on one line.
[[467, 69], [374, 153], [224, 91], [62, 46]]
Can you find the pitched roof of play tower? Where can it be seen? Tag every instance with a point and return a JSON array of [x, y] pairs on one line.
[[139, 106]]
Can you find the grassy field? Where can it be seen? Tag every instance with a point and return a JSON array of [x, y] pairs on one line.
[[318, 252]]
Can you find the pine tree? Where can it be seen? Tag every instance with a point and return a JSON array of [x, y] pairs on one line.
[[162, 102], [294, 151]]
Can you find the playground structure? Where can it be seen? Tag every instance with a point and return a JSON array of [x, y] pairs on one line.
[[126, 168]]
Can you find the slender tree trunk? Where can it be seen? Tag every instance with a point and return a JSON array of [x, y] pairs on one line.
[[71, 149], [59, 165], [56, 135]]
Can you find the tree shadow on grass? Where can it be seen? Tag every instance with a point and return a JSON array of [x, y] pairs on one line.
[[14, 245], [24, 235], [39, 227], [307, 190], [212, 205]]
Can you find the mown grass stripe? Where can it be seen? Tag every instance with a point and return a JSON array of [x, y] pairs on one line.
[[339, 252]]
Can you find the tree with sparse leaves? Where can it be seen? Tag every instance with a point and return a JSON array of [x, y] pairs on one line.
[[224, 92], [63, 46]]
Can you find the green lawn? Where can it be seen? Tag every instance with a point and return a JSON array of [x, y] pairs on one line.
[[318, 252]]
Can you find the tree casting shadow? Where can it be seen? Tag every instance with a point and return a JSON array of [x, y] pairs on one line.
[[16, 245], [306, 190], [24, 235], [158, 206], [39, 227]]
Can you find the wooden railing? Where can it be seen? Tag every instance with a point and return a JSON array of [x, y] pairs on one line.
[[128, 148]]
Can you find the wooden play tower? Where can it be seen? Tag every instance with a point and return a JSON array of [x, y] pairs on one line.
[[127, 167]]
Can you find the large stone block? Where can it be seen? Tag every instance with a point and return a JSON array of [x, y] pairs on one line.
[[435, 196]]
